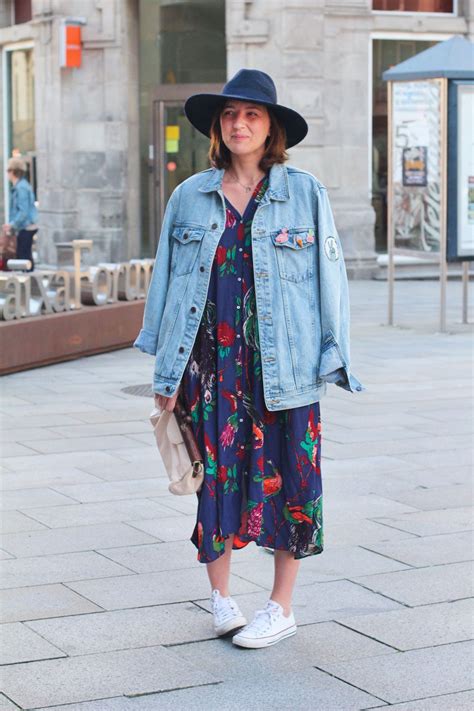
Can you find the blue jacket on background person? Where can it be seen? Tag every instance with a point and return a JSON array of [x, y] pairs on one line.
[[23, 211], [301, 286]]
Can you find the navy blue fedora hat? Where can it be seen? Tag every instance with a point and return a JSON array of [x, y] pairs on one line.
[[247, 85]]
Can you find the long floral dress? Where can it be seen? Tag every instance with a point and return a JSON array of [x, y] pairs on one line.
[[262, 477]]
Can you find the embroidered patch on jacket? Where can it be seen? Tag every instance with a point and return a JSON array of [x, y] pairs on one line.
[[331, 249]]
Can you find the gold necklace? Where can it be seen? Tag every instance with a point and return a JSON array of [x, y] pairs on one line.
[[247, 188]]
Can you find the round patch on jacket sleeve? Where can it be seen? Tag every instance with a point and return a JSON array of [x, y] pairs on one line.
[[331, 249]]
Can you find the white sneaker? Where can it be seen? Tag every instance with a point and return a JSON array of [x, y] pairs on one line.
[[268, 627], [227, 615]]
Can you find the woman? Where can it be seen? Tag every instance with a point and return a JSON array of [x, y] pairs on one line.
[[23, 213], [247, 315]]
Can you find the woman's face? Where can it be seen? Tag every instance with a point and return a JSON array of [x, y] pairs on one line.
[[245, 127]]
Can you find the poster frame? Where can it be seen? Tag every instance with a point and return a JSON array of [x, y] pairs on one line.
[[452, 252]]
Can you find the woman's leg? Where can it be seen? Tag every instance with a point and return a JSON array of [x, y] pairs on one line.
[[219, 570], [286, 570]]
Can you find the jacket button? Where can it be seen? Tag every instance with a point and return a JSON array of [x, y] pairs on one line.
[[186, 235], [193, 309], [181, 349], [201, 269], [214, 226], [168, 389]]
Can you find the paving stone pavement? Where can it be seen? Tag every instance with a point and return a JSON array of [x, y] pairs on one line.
[[104, 607]]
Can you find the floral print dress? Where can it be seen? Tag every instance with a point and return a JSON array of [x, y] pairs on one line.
[[262, 478]]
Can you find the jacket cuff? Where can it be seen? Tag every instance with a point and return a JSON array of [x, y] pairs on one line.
[[332, 369], [146, 342]]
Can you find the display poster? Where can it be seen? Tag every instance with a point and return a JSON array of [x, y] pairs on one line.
[[416, 164], [465, 163]]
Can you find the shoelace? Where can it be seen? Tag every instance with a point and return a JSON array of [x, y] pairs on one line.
[[223, 609], [263, 620]]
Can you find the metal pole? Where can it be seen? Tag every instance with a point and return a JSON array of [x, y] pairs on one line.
[[465, 290], [443, 203], [390, 241]]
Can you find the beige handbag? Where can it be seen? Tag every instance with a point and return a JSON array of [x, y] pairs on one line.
[[177, 446]]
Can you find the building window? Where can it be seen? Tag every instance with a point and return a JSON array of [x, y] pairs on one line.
[[445, 6], [21, 11], [19, 101]]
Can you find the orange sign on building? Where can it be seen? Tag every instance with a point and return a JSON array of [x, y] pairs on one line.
[[70, 47]]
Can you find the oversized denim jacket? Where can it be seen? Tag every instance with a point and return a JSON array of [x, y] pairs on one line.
[[22, 211], [301, 286]]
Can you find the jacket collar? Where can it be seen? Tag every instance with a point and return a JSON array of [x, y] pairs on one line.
[[277, 186]]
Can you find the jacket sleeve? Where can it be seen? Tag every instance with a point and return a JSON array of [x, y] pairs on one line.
[[334, 366], [147, 338]]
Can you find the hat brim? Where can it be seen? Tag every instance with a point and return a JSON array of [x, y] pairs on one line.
[[200, 110]]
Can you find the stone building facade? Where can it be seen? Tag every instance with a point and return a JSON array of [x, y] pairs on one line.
[[89, 147]]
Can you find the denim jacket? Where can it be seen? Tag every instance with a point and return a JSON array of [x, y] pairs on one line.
[[300, 277], [22, 205]]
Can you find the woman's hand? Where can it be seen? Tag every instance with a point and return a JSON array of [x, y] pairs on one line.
[[166, 403]]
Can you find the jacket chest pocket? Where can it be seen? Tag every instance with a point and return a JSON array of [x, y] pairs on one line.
[[295, 253], [186, 244]]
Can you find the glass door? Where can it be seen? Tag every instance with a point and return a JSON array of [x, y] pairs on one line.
[[178, 150]]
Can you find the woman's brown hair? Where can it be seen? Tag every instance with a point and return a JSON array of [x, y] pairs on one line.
[[275, 145]]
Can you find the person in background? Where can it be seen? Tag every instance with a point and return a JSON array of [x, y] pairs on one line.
[[23, 213]]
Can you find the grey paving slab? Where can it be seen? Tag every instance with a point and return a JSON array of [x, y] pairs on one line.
[[277, 690], [364, 506], [100, 512], [338, 434], [101, 428], [318, 602], [312, 644], [127, 629], [181, 504], [423, 626], [134, 412], [74, 539], [46, 569], [423, 586], [28, 434], [406, 676], [423, 443], [429, 523], [16, 449], [463, 701], [52, 462], [363, 465], [34, 420], [32, 498], [42, 601], [440, 497], [429, 550], [125, 471], [18, 643], [75, 444], [172, 528], [146, 438], [152, 588], [115, 490], [333, 563], [153, 557], [16, 521], [137, 671], [340, 534], [6, 704], [33, 479], [463, 457]]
